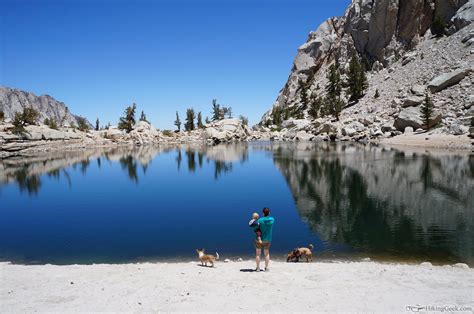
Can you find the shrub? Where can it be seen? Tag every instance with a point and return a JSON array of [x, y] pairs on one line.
[[167, 133], [377, 94], [51, 123], [2, 115], [18, 124], [30, 115], [82, 124]]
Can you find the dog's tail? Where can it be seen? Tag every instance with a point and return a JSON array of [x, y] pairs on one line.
[[311, 247], [217, 256]]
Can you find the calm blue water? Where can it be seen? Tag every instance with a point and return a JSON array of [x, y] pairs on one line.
[[155, 203]]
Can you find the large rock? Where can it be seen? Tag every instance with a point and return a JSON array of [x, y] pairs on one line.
[[43, 132], [446, 80], [226, 130], [412, 101], [464, 16], [298, 124], [303, 136], [411, 117]]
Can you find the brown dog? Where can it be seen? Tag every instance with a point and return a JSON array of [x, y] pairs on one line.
[[207, 258], [296, 254]]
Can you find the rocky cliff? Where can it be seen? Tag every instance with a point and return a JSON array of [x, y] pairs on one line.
[[14, 100], [394, 40]]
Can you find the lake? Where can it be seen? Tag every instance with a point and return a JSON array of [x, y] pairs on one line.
[[350, 201]]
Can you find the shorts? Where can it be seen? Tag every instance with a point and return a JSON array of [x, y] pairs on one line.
[[264, 244]]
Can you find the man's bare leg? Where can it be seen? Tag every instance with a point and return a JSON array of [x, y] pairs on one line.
[[258, 252], [267, 257]]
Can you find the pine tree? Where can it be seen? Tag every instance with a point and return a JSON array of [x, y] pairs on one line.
[[334, 86], [2, 116], [356, 79], [128, 120], [229, 112], [97, 127], [143, 117], [200, 125], [277, 115], [438, 28], [333, 103], [177, 122], [427, 112], [245, 120], [217, 112], [207, 120], [190, 116], [304, 94], [377, 94], [315, 107]]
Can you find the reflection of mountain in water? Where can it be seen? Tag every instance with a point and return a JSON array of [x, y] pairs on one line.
[[384, 201], [27, 171]]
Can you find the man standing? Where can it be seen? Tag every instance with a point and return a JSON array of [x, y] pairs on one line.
[[266, 227]]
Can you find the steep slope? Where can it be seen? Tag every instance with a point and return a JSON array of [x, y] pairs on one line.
[[394, 40], [14, 100]]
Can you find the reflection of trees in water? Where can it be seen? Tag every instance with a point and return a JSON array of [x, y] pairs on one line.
[[129, 164], [332, 192], [29, 183], [27, 172]]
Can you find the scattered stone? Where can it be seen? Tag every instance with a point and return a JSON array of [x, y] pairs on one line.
[[457, 129], [408, 130], [366, 259], [412, 101], [426, 264], [418, 90], [446, 80]]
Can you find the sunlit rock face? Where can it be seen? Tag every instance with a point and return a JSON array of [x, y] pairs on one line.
[[14, 100], [383, 200], [394, 41]]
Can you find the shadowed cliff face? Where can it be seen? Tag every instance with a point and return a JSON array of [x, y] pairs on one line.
[[384, 201]]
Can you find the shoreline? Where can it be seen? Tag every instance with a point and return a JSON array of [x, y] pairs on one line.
[[233, 286], [440, 143]]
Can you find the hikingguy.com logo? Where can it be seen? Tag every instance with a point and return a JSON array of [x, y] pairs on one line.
[[438, 308]]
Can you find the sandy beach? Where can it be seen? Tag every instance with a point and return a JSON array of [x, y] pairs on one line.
[[424, 140], [302, 287]]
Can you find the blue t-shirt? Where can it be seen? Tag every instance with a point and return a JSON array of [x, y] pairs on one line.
[[266, 227]]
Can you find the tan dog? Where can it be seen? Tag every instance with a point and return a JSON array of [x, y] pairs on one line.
[[306, 252], [207, 258], [296, 254]]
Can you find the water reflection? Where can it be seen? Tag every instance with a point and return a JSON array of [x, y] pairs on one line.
[[409, 204], [27, 171], [374, 200]]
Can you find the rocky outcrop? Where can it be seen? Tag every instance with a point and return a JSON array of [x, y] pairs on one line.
[[394, 37], [227, 130], [464, 16], [41, 138], [14, 100]]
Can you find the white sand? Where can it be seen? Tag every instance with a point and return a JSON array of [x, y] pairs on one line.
[[444, 141], [356, 286]]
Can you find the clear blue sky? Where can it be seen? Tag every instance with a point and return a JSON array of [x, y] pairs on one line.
[[100, 56]]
